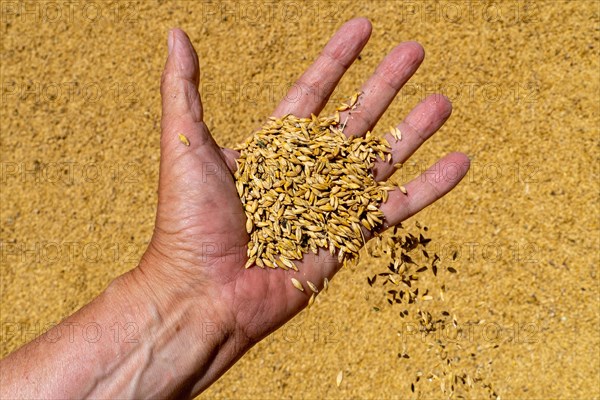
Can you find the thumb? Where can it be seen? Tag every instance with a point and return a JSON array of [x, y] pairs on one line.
[[182, 115], [181, 104], [194, 171]]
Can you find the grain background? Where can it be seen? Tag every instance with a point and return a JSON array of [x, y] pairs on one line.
[[80, 113]]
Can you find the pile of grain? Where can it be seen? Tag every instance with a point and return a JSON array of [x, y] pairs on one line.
[[304, 185]]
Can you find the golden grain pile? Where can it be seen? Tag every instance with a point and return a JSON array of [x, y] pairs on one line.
[[304, 185]]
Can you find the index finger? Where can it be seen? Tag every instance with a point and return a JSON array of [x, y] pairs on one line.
[[310, 92]]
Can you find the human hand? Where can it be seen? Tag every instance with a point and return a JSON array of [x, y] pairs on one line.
[[193, 307], [198, 249]]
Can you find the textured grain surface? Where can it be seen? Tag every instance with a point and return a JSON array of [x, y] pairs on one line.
[[305, 185], [79, 135]]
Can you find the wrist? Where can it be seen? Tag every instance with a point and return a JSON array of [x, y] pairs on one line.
[[150, 297], [177, 337], [173, 283], [181, 323]]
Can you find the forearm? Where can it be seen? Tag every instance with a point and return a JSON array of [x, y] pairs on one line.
[[124, 345]]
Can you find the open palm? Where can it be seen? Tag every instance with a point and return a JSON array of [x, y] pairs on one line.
[[200, 238]]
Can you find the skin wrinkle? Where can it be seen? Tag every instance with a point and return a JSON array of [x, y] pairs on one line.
[[193, 100], [172, 94], [244, 327], [166, 280], [401, 69], [207, 260], [229, 156], [337, 60], [311, 88], [414, 131], [229, 283], [224, 161], [310, 85], [338, 63], [221, 165], [349, 46], [442, 111], [255, 332]]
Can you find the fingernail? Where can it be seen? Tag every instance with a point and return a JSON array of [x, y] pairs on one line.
[[170, 40]]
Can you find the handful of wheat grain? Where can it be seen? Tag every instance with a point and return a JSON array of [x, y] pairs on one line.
[[304, 185]]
